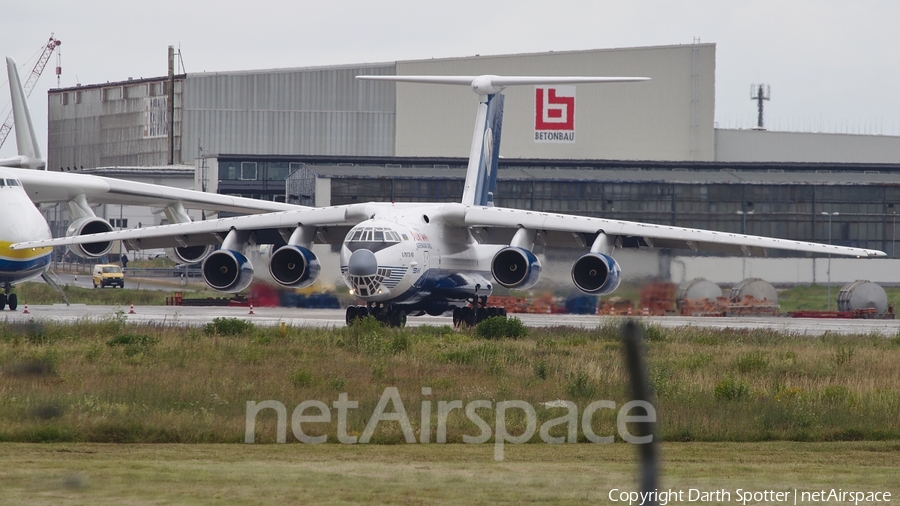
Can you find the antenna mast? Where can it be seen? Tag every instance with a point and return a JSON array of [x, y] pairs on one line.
[[756, 93]]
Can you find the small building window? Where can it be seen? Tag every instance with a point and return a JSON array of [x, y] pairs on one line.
[[248, 171]]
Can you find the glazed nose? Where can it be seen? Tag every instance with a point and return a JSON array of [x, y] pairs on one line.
[[362, 262]]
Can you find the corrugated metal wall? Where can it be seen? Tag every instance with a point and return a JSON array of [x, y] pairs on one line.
[[667, 118], [766, 146], [324, 111], [104, 126]]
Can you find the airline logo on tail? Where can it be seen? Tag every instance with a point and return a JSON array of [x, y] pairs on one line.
[[554, 114]]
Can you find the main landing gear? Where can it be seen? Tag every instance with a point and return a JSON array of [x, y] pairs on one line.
[[476, 313], [7, 298], [384, 313]]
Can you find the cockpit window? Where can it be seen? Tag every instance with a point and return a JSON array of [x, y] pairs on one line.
[[373, 234], [12, 182], [2, 184]]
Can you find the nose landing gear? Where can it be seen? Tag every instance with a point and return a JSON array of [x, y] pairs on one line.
[[7, 298]]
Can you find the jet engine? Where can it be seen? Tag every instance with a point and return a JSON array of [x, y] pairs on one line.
[[227, 271], [85, 226], [294, 266], [515, 267], [188, 254], [596, 273]]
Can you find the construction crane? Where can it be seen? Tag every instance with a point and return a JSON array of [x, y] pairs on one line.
[[36, 72]]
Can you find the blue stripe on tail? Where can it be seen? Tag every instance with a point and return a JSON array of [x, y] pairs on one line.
[[490, 153]]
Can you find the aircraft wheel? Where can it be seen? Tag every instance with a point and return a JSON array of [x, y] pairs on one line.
[[2, 301], [469, 316], [456, 318], [13, 301], [481, 315], [502, 312], [398, 318], [351, 314]]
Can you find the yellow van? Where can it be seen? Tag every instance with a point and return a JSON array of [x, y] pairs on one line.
[[108, 275]]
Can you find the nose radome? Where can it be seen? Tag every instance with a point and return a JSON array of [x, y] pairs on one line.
[[362, 262]]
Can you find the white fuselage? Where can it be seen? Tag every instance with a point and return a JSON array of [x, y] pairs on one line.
[[20, 221], [423, 262]]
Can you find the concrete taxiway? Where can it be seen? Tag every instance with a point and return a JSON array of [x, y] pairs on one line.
[[335, 318]]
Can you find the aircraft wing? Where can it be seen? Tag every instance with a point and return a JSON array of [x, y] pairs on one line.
[[45, 187], [332, 224], [497, 223]]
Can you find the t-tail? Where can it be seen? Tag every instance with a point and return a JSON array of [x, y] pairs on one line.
[[484, 156], [26, 141]]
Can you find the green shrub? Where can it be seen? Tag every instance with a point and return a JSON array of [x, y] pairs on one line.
[[499, 327], [132, 340], [227, 327], [730, 389]]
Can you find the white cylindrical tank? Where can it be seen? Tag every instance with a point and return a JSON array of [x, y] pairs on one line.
[[862, 295], [756, 288], [697, 289]]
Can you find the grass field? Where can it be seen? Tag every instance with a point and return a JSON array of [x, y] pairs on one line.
[[738, 409], [112, 381], [66, 474]]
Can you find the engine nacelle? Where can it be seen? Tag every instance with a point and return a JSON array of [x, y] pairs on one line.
[[514, 267], [86, 226], [188, 254], [294, 266], [227, 271], [596, 274]]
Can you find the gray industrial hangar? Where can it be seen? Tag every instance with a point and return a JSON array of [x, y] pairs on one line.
[[646, 151]]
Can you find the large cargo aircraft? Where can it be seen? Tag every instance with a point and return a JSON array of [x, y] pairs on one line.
[[405, 259]]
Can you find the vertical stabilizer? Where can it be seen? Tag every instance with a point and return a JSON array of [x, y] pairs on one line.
[[481, 176], [26, 140]]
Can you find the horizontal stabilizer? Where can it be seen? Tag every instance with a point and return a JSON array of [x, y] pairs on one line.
[[490, 84]]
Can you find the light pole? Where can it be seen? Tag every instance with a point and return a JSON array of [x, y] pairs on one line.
[[743, 215], [830, 215], [893, 229]]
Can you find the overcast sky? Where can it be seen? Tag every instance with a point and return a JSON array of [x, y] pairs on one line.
[[832, 65]]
